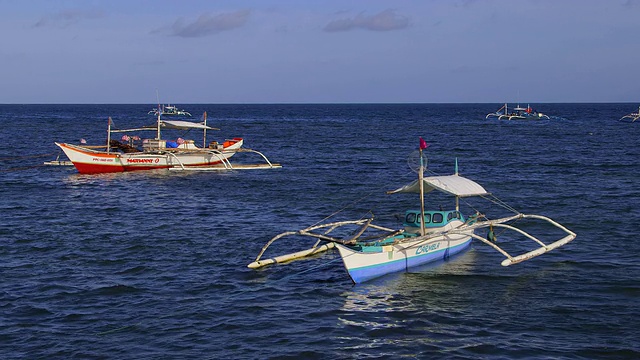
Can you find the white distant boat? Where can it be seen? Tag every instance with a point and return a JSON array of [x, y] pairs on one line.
[[631, 117], [133, 153], [369, 251], [517, 113], [168, 110]]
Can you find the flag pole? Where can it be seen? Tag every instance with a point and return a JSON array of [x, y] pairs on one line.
[[420, 177]]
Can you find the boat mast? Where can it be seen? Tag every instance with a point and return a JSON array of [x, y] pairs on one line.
[[109, 135], [159, 112], [158, 123], [457, 197], [204, 135], [423, 145]]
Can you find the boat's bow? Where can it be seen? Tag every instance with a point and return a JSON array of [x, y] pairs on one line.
[[89, 160]]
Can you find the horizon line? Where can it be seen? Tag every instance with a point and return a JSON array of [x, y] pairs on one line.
[[337, 103]]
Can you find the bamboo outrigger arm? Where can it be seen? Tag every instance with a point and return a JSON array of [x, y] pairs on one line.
[[293, 256], [510, 260], [364, 223], [226, 163], [257, 152], [171, 154]]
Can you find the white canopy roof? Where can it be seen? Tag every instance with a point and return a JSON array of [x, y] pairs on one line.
[[180, 124], [450, 184]]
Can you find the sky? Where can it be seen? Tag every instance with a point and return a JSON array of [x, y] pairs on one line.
[[322, 51]]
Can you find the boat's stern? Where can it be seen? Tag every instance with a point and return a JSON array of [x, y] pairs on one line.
[[233, 144]]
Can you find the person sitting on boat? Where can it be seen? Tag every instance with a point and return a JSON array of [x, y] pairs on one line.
[[175, 144], [125, 148]]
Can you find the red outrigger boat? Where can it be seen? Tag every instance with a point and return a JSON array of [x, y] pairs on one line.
[[134, 153]]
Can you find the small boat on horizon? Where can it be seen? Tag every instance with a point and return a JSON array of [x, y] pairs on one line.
[[517, 113], [134, 153], [369, 251], [631, 117], [168, 110]]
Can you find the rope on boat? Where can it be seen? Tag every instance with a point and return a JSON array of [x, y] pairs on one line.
[[343, 208], [22, 168], [26, 157], [493, 199], [349, 205], [322, 264], [357, 201], [28, 167]]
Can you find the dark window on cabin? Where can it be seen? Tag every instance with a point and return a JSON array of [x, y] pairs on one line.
[[437, 218], [453, 215], [427, 218], [411, 218]]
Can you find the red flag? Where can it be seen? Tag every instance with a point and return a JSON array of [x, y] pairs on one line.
[[423, 144]]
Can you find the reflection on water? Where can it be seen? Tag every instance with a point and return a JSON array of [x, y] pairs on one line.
[[427, 306], [408, 291]]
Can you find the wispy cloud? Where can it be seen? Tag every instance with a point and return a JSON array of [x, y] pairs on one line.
[[208, 24], [386, 20], [67, 18]]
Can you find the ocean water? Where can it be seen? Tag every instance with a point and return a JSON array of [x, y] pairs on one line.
[[153, 265]]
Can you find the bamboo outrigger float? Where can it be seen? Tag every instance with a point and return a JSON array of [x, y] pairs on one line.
[[369, 251]]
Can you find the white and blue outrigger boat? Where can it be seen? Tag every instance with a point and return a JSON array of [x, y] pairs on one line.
[[633, 117], [168, 110], [369, 251]]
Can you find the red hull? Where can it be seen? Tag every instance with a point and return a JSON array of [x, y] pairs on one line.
[[99, 169]]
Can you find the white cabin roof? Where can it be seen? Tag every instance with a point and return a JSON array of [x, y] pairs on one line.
[[450, 184], [180, 124]]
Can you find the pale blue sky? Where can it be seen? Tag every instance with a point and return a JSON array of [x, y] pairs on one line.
[[270, 51]]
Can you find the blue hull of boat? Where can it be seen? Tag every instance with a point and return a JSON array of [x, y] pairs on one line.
[[362, 274]]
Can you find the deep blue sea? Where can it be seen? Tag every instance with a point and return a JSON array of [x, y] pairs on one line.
[[153, 265]]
